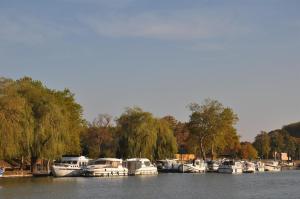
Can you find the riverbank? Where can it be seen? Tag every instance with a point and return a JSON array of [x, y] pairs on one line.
[[17, 174]]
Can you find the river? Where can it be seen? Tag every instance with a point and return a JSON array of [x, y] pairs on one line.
[[281, 185]]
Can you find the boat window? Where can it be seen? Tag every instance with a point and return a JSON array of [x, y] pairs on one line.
[[228, 163], [147, 163], [115, 164], [133, 165], [102, 162]]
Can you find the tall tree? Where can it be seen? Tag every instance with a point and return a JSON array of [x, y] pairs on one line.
[[248, 152], [45, 123], [181, 132], [262, 144], [138, 134], [208, 121], [166, 145], [98, 139]]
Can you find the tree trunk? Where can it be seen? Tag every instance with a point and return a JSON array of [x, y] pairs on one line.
[[202, 149], [22, 164], [33, 164], [212, 151], [48, 166]]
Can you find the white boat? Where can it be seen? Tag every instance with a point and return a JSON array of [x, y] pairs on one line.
[[140, 166], [249, 167], [69, 166], [106, 167], [272, 166], [260, 166], [1, 171], [197, 166], [230, 166], [213, 166], [168, 165]]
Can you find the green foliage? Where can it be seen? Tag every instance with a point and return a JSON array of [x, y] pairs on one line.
[[248, 152], [37, 122], [142, 135], [166, 145], [262, 145], [282, 142], [212, 124], [276, 141], [98, 140], [138, 134], [293, 129], [14, 126]]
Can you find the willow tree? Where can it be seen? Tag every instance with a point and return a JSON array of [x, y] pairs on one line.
[[73, 120], [15, 122], [138, 133], [43, 123], [14, 127], [208, 122], [166, 145]]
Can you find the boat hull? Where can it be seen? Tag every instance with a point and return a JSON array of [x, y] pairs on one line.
[[230, 170], [144, 171], [272, 168], [106, 172], [185, 168], [66, 172], [248, 170]]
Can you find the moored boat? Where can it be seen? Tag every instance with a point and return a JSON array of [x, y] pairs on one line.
[[259, 166], [106, 167], [248, 167], [1, 171], [140, 166], [231, 167], [272, 166], [213, 166], [167, 165], [69, 166], [197, 166]]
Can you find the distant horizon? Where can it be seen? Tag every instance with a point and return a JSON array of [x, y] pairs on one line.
[[161, 55]]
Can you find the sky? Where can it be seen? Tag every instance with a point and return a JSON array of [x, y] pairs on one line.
[[161, 55]]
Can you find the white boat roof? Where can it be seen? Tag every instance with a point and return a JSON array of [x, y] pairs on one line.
[[168, 160], [138, 159], [70, 158], [109, 159]]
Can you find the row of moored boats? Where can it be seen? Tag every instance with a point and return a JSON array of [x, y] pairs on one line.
[[82, 166], [220, 166]]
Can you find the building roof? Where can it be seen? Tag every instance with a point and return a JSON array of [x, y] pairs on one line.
[[4, 164]]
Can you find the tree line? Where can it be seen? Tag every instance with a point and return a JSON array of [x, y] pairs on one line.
[[277, 141], [41, 123]]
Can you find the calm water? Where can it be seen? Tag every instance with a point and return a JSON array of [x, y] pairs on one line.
[[281, 185]]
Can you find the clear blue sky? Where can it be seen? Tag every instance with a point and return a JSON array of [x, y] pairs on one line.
[[161, 55]]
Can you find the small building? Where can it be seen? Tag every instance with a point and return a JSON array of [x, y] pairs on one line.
[[282, 156], [5, 165], [185, 157]]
